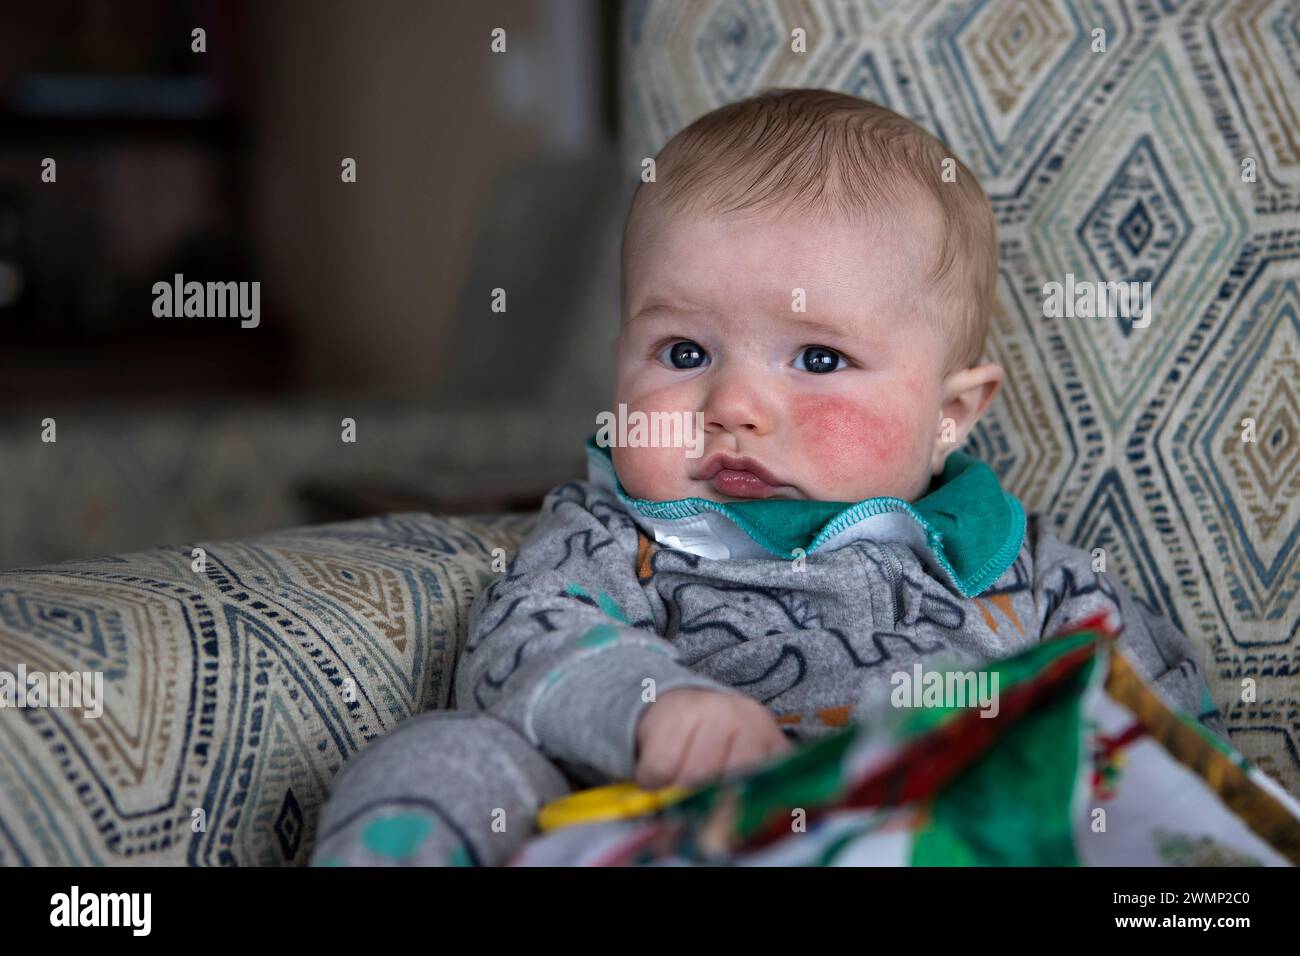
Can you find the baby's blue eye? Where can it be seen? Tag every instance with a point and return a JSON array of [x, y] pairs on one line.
[[684, 354], [818, 359]]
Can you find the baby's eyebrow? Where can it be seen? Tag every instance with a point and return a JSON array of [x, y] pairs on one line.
[[815, 325], [659, 306]]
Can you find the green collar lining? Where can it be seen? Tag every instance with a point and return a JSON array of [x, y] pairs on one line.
[[974, 528]]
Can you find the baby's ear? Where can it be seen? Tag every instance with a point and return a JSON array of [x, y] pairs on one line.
[[966, 394]]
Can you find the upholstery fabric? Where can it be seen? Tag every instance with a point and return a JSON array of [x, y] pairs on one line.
[[238, 690]]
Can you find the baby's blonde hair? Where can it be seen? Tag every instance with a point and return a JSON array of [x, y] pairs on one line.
[[825, 154]]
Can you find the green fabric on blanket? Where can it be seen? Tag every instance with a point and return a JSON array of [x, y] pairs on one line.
[[1082, 764]]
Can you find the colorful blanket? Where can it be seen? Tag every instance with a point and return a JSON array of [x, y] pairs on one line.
[[1081, 763]]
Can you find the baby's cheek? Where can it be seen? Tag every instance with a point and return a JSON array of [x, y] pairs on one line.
[[648, 472], [655, 473], [857, 451]]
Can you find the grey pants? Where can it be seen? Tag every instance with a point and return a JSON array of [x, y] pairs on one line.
[[446, 788]]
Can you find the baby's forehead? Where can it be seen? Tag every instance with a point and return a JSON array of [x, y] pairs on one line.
[[907, 208], [832, 267]]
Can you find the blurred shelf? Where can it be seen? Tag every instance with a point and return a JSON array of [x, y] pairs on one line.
[[164, 364], [445, 492], [96, 108], [222, 130]]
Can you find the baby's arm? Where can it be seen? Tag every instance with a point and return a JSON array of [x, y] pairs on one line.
[[560, 645], [1067, 590]]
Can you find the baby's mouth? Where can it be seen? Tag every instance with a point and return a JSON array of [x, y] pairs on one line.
[[738, 477]]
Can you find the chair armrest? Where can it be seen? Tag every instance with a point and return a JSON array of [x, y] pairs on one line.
[[232, 689]]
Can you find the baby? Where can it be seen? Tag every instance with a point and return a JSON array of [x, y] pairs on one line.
[[810, 277]]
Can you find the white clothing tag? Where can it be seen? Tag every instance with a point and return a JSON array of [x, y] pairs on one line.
[[693, 537]]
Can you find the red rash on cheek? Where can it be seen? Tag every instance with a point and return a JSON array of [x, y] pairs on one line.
[[846, 442]]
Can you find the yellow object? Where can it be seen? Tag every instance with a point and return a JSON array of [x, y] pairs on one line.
[[617, 801]]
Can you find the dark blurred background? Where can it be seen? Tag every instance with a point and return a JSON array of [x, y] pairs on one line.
[[475, 170]]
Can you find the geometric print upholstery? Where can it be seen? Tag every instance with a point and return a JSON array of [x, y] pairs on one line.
[[1123, 165], [239, 689]]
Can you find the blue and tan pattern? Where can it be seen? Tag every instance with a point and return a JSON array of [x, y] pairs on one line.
[[1122, 165], [238, 691]]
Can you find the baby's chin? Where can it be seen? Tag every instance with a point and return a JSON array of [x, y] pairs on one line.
[[708, 493]]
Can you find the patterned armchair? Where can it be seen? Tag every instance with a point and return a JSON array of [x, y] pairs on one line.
[[236, 689], [233, 690]]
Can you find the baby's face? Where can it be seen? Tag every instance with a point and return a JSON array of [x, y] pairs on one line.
[[839, 402]]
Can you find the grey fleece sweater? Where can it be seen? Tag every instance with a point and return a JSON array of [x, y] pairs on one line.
[[609, 594]]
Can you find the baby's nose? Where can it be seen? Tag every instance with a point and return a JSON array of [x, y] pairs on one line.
[[737, 404]]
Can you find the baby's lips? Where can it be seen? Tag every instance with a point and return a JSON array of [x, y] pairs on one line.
[[719, 462], [741, 484]]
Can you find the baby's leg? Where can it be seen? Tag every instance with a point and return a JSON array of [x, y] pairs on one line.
[[443, 788]]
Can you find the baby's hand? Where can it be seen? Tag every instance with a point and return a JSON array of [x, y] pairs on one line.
[[689, 736]]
